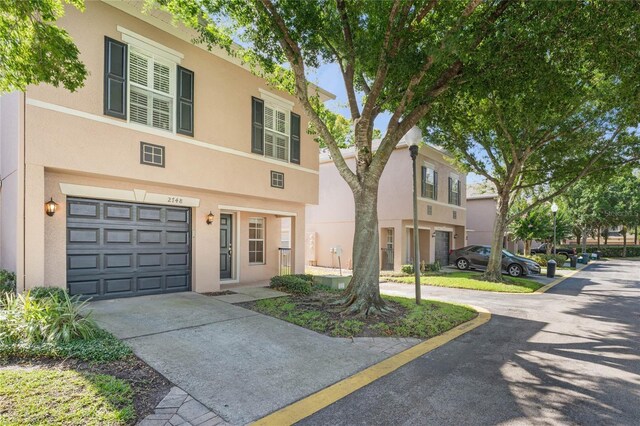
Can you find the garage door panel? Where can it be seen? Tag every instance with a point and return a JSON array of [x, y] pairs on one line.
[[83, 209], [118, 285], [87, 288], [149, 213], [177, 281], [83, 262], [118, 212], [117, 249], [83, 235]]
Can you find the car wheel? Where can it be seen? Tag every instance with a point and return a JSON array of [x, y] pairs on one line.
[[514, 270], [462, 264]]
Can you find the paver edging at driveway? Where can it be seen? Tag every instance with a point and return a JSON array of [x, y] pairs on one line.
[[325, 397]]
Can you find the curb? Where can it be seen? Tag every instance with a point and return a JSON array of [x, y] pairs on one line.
[[315, 402], [558, 281]]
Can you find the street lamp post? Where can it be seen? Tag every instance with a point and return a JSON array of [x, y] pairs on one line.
[[554, 210], [413, 138]]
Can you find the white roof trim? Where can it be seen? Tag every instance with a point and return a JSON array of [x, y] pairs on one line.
[[254, 210], [272, 98]]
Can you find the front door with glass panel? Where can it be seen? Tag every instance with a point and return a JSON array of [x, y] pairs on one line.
[[226, 245]]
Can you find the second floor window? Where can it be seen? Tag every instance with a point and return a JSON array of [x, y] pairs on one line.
[[276, 133], [429, 187], [454, 190], [151, 92], [144, 84]]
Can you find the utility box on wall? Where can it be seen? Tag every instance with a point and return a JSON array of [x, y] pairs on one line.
[[310, 249], [338, 282]]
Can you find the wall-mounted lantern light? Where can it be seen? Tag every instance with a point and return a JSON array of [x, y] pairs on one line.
[[455, 236], [433, 235], [50, 207], [210, 217]]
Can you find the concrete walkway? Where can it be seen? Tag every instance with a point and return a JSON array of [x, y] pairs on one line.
[[240, 364]]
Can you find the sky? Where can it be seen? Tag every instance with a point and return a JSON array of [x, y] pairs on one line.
[[328, 77]]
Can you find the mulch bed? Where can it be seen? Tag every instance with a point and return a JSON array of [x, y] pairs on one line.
[[149, 386], [324, 302], [220, 293]]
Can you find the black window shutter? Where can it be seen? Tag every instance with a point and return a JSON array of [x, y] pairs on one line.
[[257, 126], [435, 185], [295, 138], [184, 116], [459, 193], [450, 193], [424, 182], [115, 78]]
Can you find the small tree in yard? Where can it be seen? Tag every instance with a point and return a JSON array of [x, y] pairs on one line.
[[560, 113], [396, 56]]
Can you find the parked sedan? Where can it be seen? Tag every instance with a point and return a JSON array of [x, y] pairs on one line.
[[477, 257]]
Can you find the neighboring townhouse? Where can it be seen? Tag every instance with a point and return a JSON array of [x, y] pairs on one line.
[[441, 211], [173, 169], [481, 216]]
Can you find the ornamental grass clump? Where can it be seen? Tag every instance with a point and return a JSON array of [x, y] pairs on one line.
[[55, 319]]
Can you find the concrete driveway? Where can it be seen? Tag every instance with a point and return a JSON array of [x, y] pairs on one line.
[[238, 363]]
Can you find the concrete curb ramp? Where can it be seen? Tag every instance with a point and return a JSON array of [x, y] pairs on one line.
[[321, 399]]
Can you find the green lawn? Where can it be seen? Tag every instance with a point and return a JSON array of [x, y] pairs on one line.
[[472, 281], [63, 397], [316, 313]]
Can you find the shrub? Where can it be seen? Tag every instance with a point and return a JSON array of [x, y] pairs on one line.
[[292, 284], [44, 292], [543, 259], [7, 282], [612, 251], [407, 269], [53, 319], [433, 267]]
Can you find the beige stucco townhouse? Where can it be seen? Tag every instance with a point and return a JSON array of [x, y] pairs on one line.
[[441, 210], [172, 169]]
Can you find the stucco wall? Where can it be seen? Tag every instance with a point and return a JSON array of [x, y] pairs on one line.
[[205, 238], [481, 217], [11, 174], [332, 220]]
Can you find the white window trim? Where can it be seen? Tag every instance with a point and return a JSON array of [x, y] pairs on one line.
[[263, 239], [287, 133], [144, 43], [278, 101], [454, 180]]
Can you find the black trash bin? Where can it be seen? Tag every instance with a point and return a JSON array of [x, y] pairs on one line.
[[551, 268], [574, 260]]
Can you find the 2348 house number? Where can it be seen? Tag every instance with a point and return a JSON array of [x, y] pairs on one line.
[[174, 200]]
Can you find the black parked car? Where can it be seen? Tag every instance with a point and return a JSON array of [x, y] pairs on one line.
[[477, 257], [559, 250]]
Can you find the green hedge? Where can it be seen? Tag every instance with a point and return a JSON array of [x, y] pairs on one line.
[[612, 251], [7, 282], [543, 259], [297, 284]]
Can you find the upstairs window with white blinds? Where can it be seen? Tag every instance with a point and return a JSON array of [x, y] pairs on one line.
[[276, 133], [151, 94]]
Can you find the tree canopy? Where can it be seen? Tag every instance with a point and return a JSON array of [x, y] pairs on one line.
[[34, 49]]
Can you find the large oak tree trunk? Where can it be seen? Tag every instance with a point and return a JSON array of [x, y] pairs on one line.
[[527, 247], [624, 241], [494, 267], [362, 295]]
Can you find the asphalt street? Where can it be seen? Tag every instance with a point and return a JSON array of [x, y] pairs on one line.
[[569, 356]]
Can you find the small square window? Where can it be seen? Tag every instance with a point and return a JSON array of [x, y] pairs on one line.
[[455, 214], [277, 179], [429, 210], [150, 154]]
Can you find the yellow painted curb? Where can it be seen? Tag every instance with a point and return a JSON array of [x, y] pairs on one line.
[[312, 404], [556, 282]]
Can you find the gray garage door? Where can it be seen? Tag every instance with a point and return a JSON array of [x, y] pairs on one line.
[[442, 247], [117, 249]]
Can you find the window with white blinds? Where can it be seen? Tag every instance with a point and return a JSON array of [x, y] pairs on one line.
[[151, 94], [276, 133]]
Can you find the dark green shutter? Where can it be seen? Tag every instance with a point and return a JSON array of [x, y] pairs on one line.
[[435, 185], [423, 185], [459, 193], [295, 138], [185, 102], [257, 126], [450, 193], [115, 78]]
